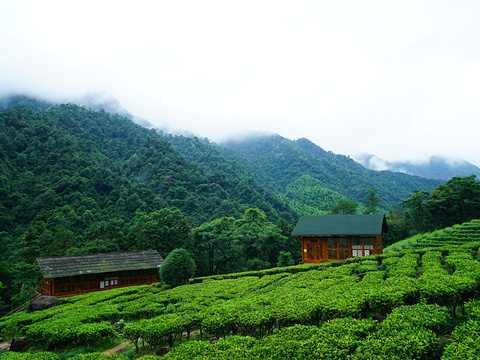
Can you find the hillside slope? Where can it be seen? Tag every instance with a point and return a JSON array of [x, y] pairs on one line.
[[70, 149], [398, 306], [454, 235], [229, 174]]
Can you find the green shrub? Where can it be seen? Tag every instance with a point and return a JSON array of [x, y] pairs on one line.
[[433, 317], [285, 258], [464, 342], [194, 350], [177, 268], [410, 343], [29, 356]]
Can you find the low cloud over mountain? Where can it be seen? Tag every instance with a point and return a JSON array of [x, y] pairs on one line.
[[436, 167]]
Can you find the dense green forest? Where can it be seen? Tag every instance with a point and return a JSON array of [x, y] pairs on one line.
[[78, 181]]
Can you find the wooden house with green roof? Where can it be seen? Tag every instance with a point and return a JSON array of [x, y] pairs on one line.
[[338, 237], [73, 275]]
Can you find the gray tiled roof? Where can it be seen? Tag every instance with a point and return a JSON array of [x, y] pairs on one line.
[[372, 224], [61, 266]]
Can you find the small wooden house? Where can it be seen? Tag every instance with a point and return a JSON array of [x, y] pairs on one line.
[[73, 275], [338, 237]]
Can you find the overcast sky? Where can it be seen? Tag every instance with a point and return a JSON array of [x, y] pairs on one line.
[[398, 79]]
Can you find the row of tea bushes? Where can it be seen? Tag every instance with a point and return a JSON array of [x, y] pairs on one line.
[[360, 288]]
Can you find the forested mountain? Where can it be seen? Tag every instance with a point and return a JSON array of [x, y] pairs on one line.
[[312, 179], [436, 167], [94, 153], [211, 159]]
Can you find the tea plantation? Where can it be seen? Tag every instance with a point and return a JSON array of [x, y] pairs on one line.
[[421, 303]]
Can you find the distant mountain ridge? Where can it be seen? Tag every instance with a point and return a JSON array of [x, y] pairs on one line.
[[436, 167], [310, 178]]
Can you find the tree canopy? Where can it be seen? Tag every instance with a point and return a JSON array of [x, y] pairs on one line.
[[344, 207], [455, 202], [372, 201], [177, 268]]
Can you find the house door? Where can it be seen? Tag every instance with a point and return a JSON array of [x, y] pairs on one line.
[[314, 252]]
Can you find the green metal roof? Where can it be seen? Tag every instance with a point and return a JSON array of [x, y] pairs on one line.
[[62, 266], [372, 224]]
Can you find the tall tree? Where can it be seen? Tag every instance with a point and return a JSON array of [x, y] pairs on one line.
[[417, 216], [212, 243], [162, 230], [344, 207], [372, 200]]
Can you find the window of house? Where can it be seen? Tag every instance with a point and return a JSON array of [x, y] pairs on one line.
[[362, 246], [332, 248], [368, 243], [332, 243], [338, 248], [343, 248]]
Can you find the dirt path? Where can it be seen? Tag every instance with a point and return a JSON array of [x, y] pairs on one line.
[[5, 346], [116, 348]]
